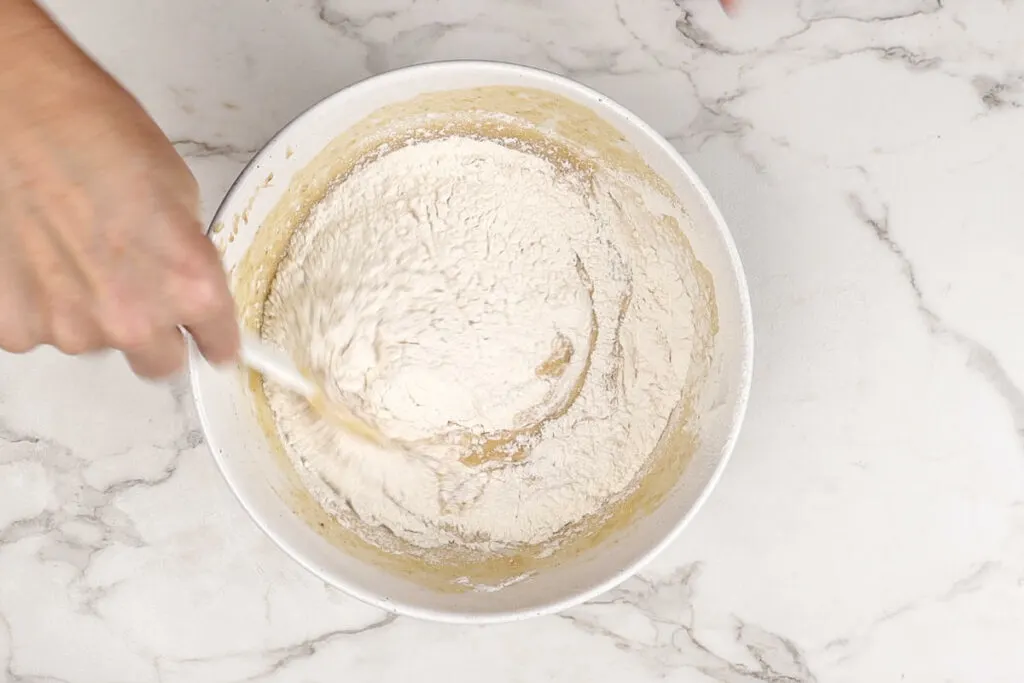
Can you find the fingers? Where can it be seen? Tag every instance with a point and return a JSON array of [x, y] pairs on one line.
[[24, 331], [63, 291], [217, 337], [101, 212], [21, 319], [176, 281], [74, 332], [729, 6], [203, 302], [162, 357]]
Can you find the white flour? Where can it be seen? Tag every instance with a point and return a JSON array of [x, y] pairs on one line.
[[525, 333]]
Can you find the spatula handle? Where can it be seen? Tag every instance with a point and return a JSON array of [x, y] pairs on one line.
[[274, 365]]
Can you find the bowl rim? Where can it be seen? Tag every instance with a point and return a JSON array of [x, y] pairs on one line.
[[742, 393]]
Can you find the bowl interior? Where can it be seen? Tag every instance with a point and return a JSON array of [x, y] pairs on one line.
[[265, 486]]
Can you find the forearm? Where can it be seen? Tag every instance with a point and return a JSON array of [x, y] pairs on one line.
[[33, 47], [21, 18], [44, 75]]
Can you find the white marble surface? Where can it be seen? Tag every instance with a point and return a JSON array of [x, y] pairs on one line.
[[869, 156]]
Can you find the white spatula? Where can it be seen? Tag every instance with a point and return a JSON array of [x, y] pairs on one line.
[[279, 368]]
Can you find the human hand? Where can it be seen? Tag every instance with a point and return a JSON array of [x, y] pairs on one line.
[[100, 242]]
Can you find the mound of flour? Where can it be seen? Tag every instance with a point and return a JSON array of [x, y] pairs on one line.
[[524, 334]]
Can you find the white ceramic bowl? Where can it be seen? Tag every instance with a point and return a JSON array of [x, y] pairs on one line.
[[255, 474]]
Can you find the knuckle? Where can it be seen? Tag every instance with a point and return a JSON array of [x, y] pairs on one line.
[[171, 368], [128, 331], [72, 339], [19, 331], [70, 325], [21, 328], [203, 296], [18, 340], [164, 358], [69, 342]]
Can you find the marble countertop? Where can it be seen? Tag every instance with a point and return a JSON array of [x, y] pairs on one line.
[[869, 157]]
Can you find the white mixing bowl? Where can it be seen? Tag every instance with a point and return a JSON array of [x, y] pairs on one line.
[[261, 477]]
